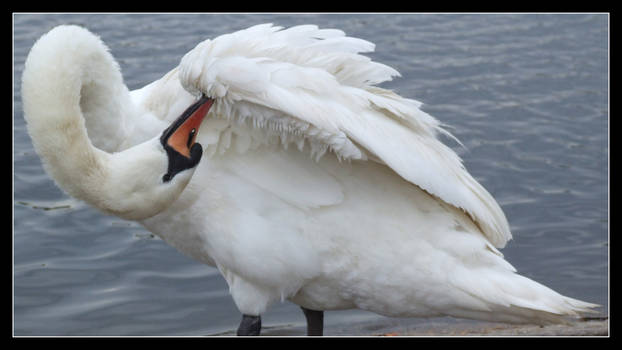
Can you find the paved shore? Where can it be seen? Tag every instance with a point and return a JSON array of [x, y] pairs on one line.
[[581, 328], [593, 327]]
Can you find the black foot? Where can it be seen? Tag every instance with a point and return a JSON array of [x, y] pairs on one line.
[[315, 321], [250, 325]]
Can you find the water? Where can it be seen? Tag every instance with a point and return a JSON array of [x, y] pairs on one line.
[[527, 94]]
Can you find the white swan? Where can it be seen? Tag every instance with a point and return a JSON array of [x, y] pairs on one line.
[[314, 185]]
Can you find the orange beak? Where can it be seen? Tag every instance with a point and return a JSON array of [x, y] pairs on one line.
[[178, 140], [183, 137]]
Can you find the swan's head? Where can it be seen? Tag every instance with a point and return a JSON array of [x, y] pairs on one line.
[[145, 179]]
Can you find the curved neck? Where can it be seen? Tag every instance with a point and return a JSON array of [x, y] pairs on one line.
[[72, 85], [69, 82]]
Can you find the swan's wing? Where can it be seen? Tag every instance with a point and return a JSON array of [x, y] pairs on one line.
[[312, 85]]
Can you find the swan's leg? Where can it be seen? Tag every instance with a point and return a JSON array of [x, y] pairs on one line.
[[315, 321], [250, 325]]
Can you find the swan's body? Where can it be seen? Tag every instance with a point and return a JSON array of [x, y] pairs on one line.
[[314, 185]]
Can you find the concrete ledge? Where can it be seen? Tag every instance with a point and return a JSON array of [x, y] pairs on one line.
[[592, 327], [443, 327]]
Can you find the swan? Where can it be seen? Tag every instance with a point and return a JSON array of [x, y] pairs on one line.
[[272, 154]]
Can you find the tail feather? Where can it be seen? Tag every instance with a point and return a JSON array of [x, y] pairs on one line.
[[512, 298]]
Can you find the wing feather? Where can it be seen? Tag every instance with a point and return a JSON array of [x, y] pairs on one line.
[[312, 84]]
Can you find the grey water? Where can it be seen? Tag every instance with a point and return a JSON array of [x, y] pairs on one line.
[[527, 95]]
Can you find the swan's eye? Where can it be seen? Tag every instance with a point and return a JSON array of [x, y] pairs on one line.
[[191, 136]]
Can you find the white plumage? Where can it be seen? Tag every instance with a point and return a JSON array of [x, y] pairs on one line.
[[300, 85], [315, 185]]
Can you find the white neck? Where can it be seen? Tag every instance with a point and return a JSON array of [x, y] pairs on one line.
[[70, 84]]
